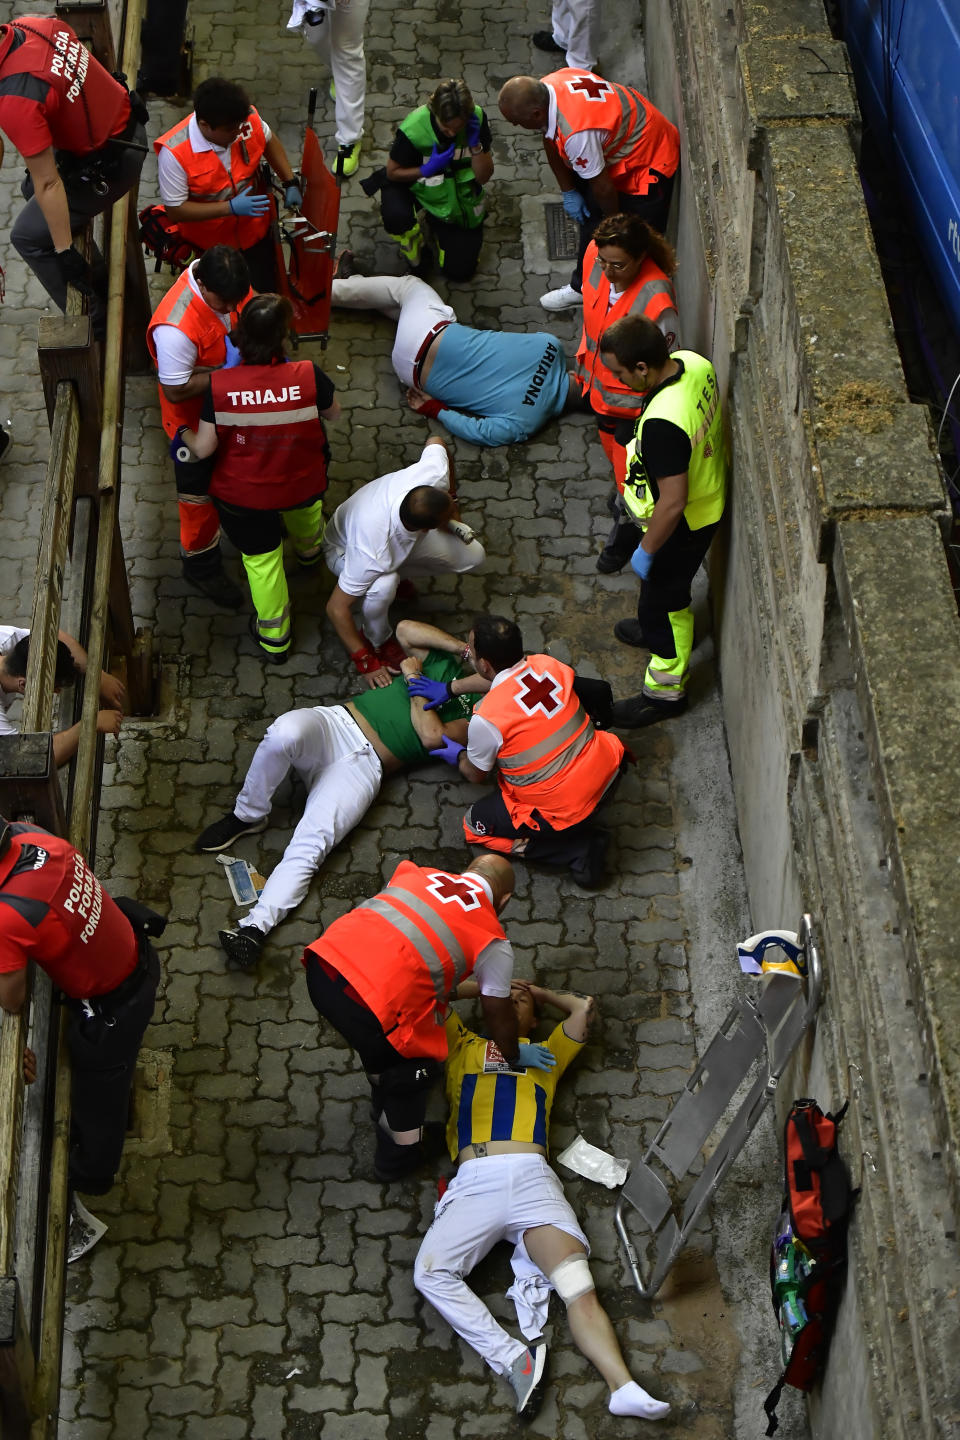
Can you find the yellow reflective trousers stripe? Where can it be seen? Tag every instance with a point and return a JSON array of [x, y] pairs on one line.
[[666, 677]]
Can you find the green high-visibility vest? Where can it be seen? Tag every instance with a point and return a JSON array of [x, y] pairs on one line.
[[455, 194], [693, 403]]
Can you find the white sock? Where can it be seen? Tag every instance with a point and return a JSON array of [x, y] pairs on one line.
[[632, 1399]]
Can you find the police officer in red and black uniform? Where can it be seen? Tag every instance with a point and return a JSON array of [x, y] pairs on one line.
[[81, 134], [54, 911]]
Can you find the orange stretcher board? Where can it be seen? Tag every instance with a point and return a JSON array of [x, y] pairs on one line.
[[310, 237]]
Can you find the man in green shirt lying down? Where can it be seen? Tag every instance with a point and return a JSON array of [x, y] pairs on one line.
[[342, 754]]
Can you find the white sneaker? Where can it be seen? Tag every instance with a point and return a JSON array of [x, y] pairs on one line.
[[563, 299], [83, 1231]]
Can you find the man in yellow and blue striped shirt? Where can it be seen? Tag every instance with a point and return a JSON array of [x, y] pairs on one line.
[[504, 1189]]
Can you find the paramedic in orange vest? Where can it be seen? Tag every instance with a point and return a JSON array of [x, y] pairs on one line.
[[609, 149], [208, 168], [626, 271], [264, 419], [188, 339], [553, 766], [382, 976]]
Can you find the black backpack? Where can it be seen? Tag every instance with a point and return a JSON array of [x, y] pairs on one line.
[[808, 1256]]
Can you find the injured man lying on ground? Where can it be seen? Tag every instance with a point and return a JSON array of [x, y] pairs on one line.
[[504, 1189]]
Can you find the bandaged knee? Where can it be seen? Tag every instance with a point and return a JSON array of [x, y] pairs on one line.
[[572, 1278]]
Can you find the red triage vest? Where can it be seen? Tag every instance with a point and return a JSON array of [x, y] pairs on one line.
[[270, 439], [552, 759], [407, 949]]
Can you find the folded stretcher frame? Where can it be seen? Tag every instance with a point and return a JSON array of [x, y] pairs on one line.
[[758, 1034]]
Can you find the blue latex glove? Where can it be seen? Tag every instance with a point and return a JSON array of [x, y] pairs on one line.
[[437, 161], [449, 751], [473, 132], [535, 1057], [246, 204], [292, 196], [641, 562], [575, 206], [233, 355], [435, 692]]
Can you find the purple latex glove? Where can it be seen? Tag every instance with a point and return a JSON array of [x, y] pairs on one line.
[[535, 1057], [233, 356], [473, 132], [435, 692], [178, 446], [449, 751], [437, 161], [641, 562]]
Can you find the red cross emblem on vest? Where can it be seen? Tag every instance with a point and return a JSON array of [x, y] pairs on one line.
[[591, 86], [455, 889], [538, 693]]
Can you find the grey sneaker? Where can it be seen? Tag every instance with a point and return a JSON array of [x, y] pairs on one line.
[[527, 1377], [83, 1230], [223, 832], [243, 945]]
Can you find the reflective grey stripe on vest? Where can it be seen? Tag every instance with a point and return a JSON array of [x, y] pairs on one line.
[[179, 307], [380, 906], [179, 135], [570, 751], [240, 418]]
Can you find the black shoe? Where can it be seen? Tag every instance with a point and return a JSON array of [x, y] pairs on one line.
[[243, 945], [610, 562], [216, 585], [543, 39], [591, 870], [346, 265], [630, 632], [639, 711], [267, 653], [4, 442], [223, 832]]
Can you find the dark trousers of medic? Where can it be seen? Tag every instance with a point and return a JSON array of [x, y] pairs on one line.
[[103, 1059], [460, 247], [398, 1084], [668, 586], [654, 207], [570, 849]]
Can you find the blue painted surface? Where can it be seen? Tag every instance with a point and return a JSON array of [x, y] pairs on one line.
[[906, 59]]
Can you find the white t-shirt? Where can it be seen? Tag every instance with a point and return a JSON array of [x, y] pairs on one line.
[[176, 352], [493, 971], [10, 636], [174, 185], [583, 151], [484, 740], [367, 530]]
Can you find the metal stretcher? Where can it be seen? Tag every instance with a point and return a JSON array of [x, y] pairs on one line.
[[758, 1035]]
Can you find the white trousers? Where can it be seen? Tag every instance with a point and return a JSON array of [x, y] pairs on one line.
[[339, 43], [342, 774], [575, 26], [436, 552], [496, 1198], [411, 302]]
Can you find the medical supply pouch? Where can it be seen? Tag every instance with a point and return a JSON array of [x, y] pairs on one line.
[[809, 1252], [160, 236]]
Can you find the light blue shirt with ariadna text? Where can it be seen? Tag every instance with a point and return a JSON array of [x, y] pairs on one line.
[[498, 388]]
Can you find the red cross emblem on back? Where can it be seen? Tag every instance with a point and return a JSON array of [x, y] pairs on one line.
[[590, 85], [450, 889], [538, 693]]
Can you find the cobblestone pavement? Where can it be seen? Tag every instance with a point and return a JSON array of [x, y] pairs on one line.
[[255, 1280]]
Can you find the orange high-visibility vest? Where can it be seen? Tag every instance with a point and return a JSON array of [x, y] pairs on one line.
[[552, 759], [406, 950], [210, 181], [185, 310], [650, 295], [636, 137]]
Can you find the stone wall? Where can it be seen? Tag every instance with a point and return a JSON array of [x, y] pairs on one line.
[[839, 645]]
